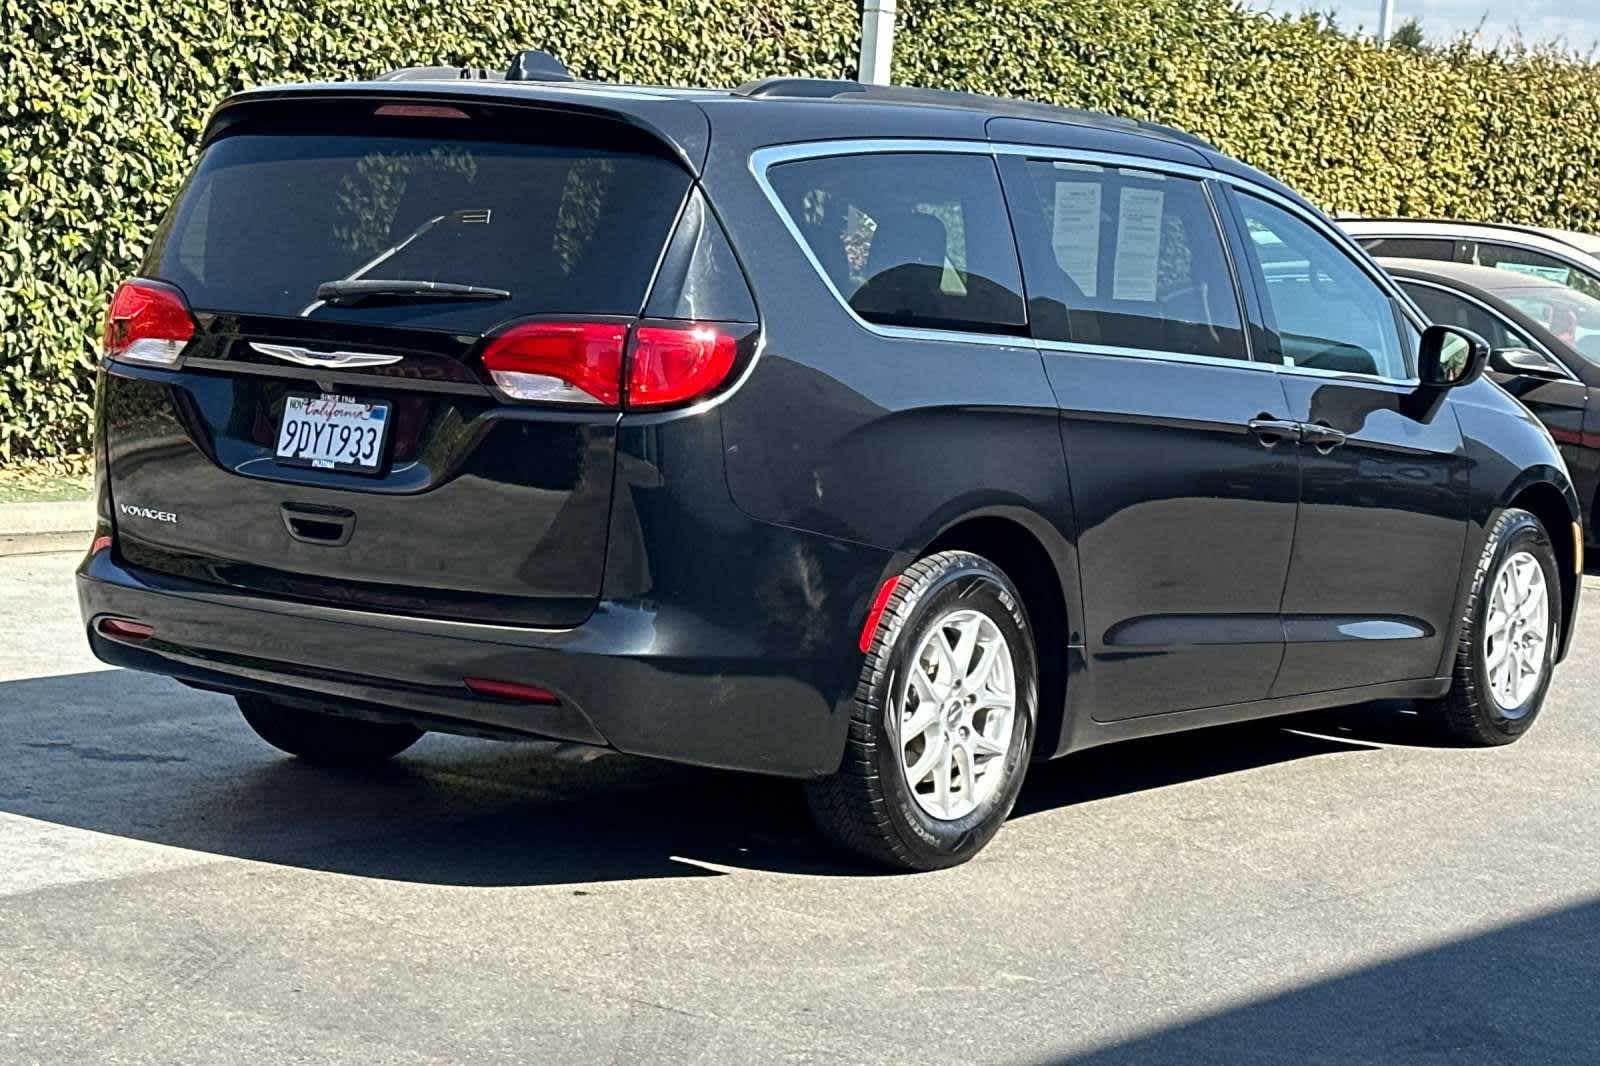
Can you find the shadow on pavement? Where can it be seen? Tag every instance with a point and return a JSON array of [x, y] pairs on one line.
[[142, 757], [1528, 992]]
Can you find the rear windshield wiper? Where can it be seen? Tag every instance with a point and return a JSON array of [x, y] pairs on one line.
[[439, 290], [347, 291]]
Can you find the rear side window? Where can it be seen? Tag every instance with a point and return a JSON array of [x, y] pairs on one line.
[[1534, 264], [561, 227], [1410, 247], [1125, 258], [909, 240]]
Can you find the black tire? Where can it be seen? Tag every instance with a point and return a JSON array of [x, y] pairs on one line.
[[327, 739], [867, 807], [1469, 714]]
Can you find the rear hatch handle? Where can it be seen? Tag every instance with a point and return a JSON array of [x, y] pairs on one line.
[[312, 523]]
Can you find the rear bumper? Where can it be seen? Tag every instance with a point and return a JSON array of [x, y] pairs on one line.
[[724, 688]]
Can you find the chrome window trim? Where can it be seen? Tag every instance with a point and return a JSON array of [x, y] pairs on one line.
[[763, 159], [1506, 323]]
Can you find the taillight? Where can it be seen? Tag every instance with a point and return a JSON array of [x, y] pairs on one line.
[[672, 364], [148, 322], [582, 362], [560, 362]]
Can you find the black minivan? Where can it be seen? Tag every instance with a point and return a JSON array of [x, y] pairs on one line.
[[883, 438]]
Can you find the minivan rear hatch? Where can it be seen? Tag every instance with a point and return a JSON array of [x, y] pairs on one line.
[[330, 434]]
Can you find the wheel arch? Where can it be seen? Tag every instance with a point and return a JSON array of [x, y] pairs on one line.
[[1042, 564], [1548, 495]]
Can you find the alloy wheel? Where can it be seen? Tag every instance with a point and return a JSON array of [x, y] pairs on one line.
[[1516, 631], [956, 710]]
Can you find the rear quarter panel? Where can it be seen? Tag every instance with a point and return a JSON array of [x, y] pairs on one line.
[[886, 441]]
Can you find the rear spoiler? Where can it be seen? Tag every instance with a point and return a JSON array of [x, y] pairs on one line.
[[672, 119]]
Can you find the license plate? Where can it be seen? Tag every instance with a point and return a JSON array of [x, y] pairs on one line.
[[333, 433]]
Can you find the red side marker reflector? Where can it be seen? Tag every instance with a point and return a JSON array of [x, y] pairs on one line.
[[879, 603], [126, 629], [510, 690], [101, 543]]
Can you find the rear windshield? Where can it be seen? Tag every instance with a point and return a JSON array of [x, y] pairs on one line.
[[564, 228]]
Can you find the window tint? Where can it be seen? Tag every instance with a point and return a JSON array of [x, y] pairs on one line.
[[563, 227], [1535, 264], [909, 240], [1410, 247], [1327, 312], [1125, 258], [1450, 309]]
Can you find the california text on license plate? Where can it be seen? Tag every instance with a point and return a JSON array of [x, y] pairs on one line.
[[332, 433]]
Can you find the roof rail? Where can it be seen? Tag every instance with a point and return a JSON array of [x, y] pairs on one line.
[[813, 88], [534, 64], [438, 74], [834, 88]]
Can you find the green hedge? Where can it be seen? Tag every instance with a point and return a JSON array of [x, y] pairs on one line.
[[101, 101]]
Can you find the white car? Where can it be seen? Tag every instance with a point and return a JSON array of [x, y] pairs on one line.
[[1562, 256]]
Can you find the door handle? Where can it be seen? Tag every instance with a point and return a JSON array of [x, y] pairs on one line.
[[1274, 431], [1322, 436], [312, 524]]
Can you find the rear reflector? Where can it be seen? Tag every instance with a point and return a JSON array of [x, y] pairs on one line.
[[674, 364], [559, 362], [125, 629], [880, 602], [148, 322], [510, 690]]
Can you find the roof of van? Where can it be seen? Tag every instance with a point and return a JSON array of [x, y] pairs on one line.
[[781, 110], [777, 89]]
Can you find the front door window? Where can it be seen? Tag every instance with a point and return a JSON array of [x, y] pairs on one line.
[[1327, 313]]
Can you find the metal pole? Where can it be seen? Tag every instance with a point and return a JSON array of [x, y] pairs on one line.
[[1385, 21], [877, 41]]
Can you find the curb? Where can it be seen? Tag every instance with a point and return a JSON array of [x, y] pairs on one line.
[[30, 528]]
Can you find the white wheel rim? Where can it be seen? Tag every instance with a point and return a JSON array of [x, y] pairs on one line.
[[1516, 631], [956, 709]]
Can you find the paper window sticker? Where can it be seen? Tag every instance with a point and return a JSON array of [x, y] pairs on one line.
[[1138, 260], [1076, 234]]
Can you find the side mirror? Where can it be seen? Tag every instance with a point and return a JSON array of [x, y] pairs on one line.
[[1525, 362], [1451, 356]]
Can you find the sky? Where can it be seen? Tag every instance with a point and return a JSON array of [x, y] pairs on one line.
[[1539, 21]]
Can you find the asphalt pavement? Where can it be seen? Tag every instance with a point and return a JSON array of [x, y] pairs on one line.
[[1326, 889]]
